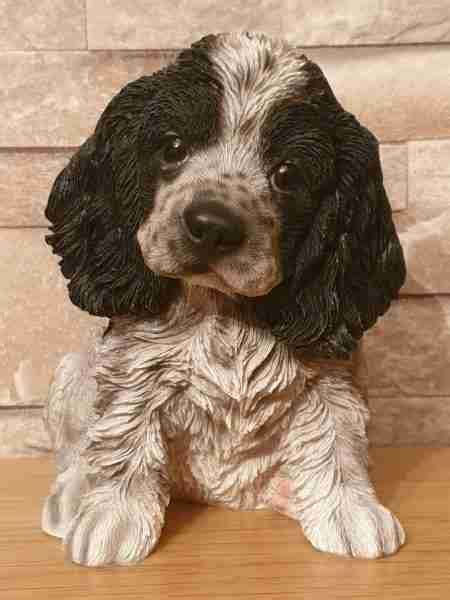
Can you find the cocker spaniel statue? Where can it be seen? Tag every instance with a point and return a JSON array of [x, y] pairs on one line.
[[229, 217]]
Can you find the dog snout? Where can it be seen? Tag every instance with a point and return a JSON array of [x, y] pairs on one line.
[[212, 227]]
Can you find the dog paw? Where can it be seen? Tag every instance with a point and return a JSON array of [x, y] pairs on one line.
[[360, 530], [62, 504], [113, 532]]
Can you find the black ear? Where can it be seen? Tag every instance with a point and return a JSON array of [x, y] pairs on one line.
[[369, 261], [95, 209], [351, 265]]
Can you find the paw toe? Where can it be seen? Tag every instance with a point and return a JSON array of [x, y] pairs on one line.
[[98, 538], [359, 531]]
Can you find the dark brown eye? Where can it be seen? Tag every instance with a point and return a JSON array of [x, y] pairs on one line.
[[174, 152], [287, 177]]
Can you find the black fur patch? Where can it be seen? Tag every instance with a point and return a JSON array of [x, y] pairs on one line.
[[342, 260], [99, 200]]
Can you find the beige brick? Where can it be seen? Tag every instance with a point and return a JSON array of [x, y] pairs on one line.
[[408, 350], [426, 246], [123, 24], [425, 227], [26, 178], [399, 93], [43, 98], [388, 90], [23, 433], [429, 178], [394, 160], [410, 421], [46, 24], [55, 98], [38, 323]]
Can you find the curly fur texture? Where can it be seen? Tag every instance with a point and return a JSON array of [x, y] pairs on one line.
[[225, 374]]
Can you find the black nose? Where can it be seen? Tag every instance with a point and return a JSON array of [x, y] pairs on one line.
[[212, 227]]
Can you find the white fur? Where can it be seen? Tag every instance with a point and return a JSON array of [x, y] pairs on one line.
[[204, 408]]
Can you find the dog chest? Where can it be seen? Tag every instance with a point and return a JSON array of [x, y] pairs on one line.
[[220, 386], [223, 430]]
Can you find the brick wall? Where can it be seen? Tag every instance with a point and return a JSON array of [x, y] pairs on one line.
[[388, 62]]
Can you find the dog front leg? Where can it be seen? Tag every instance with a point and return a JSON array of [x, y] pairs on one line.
[[120, 518], [327, 486]]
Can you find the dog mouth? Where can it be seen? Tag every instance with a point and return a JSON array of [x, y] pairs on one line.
[[215, 280], [230, 284]]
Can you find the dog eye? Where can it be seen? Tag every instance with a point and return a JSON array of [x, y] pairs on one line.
[[287, 177], [174, 152]]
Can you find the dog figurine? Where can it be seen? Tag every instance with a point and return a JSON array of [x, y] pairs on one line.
[[229, 217]]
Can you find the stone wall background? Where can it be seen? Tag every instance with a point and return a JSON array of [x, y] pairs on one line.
[[388, 61]]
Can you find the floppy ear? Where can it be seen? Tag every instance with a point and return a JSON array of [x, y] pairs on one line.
[[351, 265], [369, 258], [95, 209]]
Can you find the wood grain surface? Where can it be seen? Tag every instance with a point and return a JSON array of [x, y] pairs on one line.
[[218, 554]]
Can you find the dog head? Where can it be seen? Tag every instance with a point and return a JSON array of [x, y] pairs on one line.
[[234, 168]]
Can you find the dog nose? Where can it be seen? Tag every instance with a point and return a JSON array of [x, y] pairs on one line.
[[212, 227]]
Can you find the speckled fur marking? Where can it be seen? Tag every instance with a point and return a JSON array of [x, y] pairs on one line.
[[254, 77]]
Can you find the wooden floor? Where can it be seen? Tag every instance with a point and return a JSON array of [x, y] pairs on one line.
[[212, 553]]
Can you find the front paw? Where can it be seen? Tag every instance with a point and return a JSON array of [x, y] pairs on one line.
[[109, 529], [62, 504], [358, 529]]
